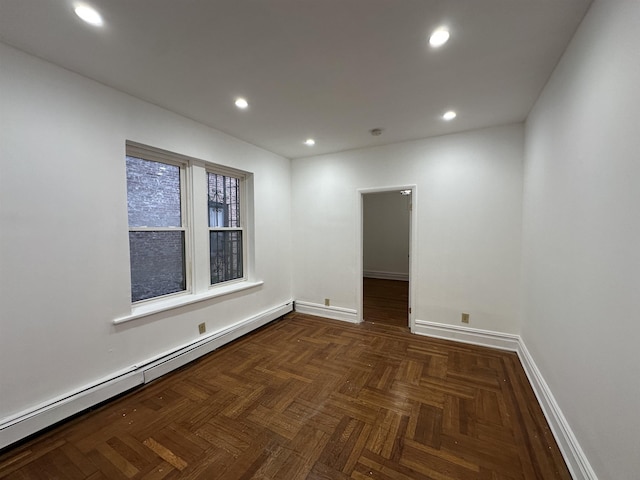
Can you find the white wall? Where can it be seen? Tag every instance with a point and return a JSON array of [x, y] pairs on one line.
[[386, 234], [468, 200], [64, 260], [581, 281], [64, 253]]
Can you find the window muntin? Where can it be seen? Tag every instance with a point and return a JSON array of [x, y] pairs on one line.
[[226, 235], [157, 235]]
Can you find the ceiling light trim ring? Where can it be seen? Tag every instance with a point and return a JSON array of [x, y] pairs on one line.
[[88, 14]]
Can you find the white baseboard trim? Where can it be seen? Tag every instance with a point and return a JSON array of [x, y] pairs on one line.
[[386, 275], [28, 422], [336, 313], [573, 454], [474, 336]]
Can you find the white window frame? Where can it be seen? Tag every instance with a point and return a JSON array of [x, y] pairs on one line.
[[241, 176], [195, 222], [147, 153]]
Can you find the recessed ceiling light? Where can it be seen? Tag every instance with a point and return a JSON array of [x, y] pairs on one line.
[[450, 115], [88, 14], [439, 37], [309, 142], [241, 103]]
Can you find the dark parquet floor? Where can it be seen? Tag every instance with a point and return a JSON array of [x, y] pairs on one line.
[[310, 398]]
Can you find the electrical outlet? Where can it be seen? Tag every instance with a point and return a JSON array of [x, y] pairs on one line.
[[465, 318], [327, 302], [202, 328]]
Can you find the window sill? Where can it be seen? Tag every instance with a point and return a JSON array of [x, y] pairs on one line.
[[164, 305]]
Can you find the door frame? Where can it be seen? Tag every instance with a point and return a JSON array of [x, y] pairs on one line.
[[413, 241]]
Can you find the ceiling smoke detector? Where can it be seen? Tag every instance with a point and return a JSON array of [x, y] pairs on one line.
[[376, 132]]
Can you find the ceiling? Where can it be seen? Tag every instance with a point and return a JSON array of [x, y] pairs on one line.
[[327, 69]]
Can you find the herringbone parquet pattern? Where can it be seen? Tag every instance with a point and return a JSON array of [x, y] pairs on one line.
[[318, 399]]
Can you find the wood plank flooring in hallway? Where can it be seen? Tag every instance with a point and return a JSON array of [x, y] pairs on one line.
[[386, 301]]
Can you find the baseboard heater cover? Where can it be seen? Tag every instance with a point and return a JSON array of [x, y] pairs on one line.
[[26, 424], [214, 341], [18, 427]]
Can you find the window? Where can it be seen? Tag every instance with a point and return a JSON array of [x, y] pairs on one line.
[[167, 246], [156, 228], [225, 230]]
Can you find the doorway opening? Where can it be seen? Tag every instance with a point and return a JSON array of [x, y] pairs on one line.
[[386, 246]]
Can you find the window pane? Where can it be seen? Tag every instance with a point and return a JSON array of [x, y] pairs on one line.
[[226, 255], [157, 264], [224, 200], [153, 194]]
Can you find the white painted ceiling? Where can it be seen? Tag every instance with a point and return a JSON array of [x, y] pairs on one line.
[[327, 69]]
